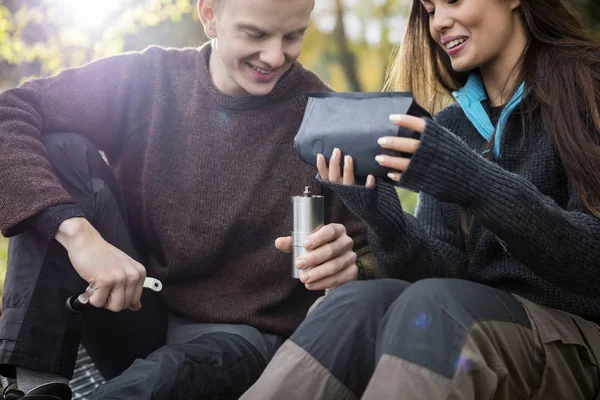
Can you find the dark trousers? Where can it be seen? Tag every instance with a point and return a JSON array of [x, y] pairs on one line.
[[213, 366], [434, 339], [38, 332]]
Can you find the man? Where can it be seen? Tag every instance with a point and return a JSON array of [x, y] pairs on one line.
[[200, 143]]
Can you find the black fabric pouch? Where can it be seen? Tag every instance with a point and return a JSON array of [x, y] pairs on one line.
[[353, 122]]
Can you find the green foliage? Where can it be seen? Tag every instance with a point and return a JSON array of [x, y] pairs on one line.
[[41, 37]]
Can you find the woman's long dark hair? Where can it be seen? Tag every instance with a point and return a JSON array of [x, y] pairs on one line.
[[560, 67]]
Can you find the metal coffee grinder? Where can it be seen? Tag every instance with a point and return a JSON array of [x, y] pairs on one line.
[[308, 217]]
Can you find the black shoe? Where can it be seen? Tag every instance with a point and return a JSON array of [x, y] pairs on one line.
[[48, 391], [12, 393]]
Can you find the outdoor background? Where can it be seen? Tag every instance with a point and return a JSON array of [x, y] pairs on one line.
[[349, 44]]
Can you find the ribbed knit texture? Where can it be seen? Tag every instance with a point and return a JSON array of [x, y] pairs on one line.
[[531, 236], [206, 177]]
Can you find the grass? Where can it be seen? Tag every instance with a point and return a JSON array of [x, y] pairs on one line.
[[3, 257], [3, 251]]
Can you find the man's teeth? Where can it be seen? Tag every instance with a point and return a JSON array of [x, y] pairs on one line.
[[262, 71], [455, 43]]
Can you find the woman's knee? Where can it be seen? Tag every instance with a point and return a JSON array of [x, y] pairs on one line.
[[363, 296], [438, 290], [435, 314], [464, 300]]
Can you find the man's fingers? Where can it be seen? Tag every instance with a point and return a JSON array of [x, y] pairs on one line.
[[99, 297], [344, 276], [326, 234], [329, 268], [284, 244], [330, 251], [138, 289], [129, 293], [116, 298]]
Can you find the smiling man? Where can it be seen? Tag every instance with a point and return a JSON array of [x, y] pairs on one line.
[[199, 143], [255, 44]]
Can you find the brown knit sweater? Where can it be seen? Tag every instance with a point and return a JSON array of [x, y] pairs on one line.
[[207, 177]]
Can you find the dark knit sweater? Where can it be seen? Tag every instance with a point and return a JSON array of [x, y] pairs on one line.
[[531, 235], [206, 177]]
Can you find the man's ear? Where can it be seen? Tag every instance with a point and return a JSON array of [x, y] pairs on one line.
[[206, 12]]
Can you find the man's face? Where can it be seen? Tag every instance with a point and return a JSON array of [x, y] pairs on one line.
[[255, 41]]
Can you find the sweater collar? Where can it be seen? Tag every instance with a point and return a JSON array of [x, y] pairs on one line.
[[283, 89], [470, 97]]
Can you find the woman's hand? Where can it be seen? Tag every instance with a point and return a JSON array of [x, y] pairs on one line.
[[330, 262], [400, 144], [333, 174]]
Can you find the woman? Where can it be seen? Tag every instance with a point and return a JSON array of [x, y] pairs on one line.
[[497, 279]]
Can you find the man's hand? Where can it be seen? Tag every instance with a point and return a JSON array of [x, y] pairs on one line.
[[116, 278], [330, 262]]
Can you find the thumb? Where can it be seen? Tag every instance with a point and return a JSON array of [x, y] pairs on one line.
[[284, 244]]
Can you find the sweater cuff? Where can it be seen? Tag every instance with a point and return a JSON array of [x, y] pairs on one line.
[[368, 267], [47, 221], [444, 167], [378, 206]]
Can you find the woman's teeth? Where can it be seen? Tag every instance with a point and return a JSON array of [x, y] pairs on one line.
[[454, 43]]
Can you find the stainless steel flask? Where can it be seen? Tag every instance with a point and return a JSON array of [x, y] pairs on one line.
[[308, 217]]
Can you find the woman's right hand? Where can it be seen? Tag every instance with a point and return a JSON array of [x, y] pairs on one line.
[[334, 174]]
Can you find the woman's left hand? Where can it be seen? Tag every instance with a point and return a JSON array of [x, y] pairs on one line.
[[400, 144]]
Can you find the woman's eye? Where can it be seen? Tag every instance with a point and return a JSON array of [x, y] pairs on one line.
[[452, 1]]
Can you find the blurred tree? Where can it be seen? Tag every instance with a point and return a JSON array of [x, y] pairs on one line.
[[589, 12], [347, 57], [42, 37]]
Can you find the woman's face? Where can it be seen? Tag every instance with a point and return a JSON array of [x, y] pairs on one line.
[[474, 33]]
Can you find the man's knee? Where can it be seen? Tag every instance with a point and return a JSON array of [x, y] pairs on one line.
[[79, 166], [162, 375], [214, 365], [64, 148]]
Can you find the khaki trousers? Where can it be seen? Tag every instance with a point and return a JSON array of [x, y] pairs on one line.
[[435, 339]]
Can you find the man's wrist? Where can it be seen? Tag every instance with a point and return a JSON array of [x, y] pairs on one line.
[[72, 231]]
